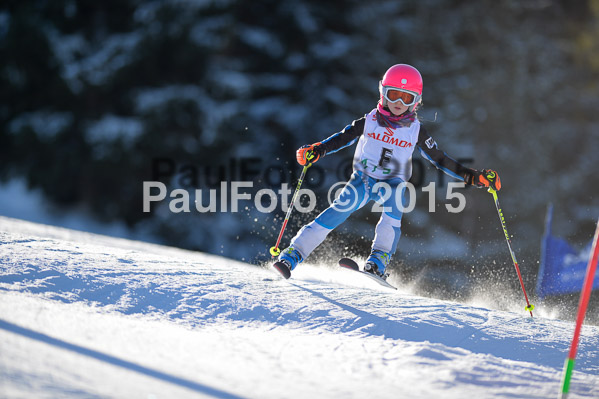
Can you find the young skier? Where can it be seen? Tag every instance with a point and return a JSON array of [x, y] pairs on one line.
[[386, 139]]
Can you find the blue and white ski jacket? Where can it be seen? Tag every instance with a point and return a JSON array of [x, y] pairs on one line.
[[385, 152]]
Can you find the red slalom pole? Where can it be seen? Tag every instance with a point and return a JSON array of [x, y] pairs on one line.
[[585, 294]]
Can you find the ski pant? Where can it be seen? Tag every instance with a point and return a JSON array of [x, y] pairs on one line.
[[356, 193]]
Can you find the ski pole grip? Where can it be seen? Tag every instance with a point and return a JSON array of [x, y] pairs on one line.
[[490, 175], [309, 157]]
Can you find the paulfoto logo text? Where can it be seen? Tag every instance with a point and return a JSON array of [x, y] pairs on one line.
[[237, 195]]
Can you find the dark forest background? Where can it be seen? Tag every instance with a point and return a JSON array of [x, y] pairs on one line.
[[99, 96]]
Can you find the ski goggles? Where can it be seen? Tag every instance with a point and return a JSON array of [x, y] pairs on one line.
[[393, 95]]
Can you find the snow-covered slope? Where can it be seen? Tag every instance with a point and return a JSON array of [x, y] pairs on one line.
[[83, 315]]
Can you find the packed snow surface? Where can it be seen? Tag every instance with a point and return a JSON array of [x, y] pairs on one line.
[[84, 315]]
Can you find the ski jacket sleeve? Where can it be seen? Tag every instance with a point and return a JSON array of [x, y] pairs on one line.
[[345, 138], [428, 149]]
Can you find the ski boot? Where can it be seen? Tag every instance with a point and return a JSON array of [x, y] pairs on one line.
[[288, 260], [377, 263]]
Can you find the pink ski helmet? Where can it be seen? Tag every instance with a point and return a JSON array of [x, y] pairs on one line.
[[401, 82]]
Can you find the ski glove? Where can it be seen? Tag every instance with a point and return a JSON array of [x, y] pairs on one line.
[[486, 178], [309, 153]]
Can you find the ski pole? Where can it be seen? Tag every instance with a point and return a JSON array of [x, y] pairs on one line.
[[491, 176], [275, 251], [583, 302]]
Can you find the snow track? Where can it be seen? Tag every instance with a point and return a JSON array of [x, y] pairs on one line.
[[83, 315]]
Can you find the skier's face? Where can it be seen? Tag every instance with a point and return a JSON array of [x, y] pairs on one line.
[[397, 108]]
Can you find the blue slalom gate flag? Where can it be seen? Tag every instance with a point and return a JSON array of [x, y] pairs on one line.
[[562, 268]]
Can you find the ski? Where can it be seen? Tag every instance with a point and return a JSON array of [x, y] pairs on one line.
[[346, 263], [350, 264], [283, 269]]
